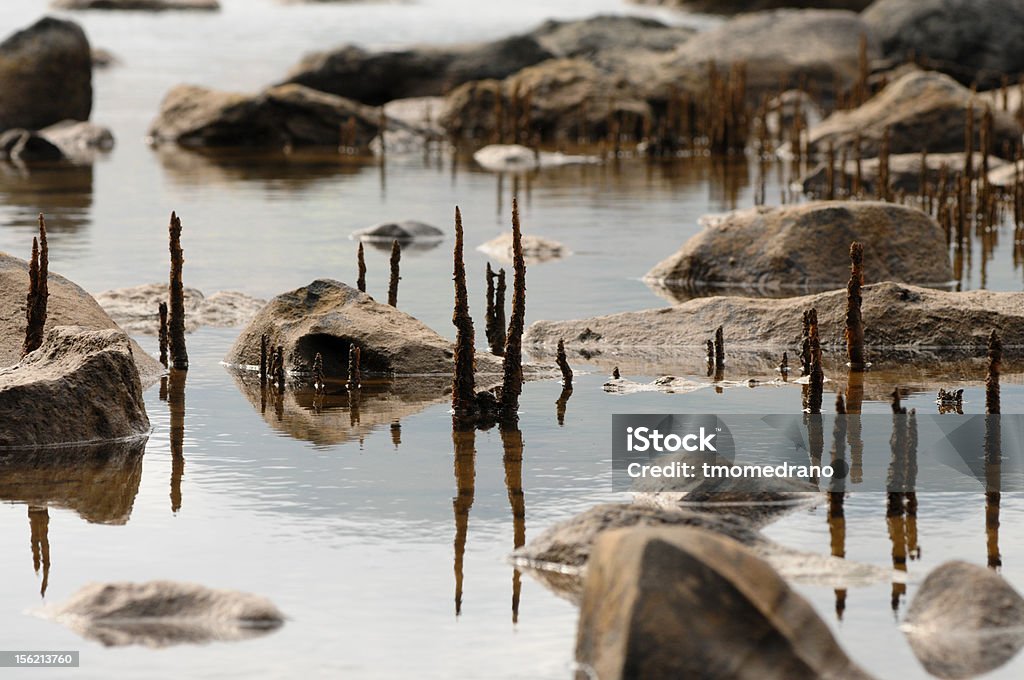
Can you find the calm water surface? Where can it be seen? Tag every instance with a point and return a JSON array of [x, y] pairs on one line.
[[350, 527]]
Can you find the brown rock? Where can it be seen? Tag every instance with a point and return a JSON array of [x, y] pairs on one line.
[[45, 75], [88, 373], [678, 603], [806, 247]]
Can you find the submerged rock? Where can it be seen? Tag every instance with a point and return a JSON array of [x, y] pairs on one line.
[[79, 140], [807, 247], [164, 613], [976, 41], [45, 75], [895, 316], [136, 309], [147, 5], [965, 621], [536, 249], [924, 110], [328, 316], [518, 158], [676, 603], [68, 305], [904, 172], [24, 146], [378, 77], [287, 115], [406, 231], [88, 373]]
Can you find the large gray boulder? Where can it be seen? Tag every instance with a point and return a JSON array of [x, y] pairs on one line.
[[45, 75], [965, 621], [328, 316], [595, 37], [680, 603], [924, 110], [68, 305], [379, 77], [287, 115], [79, 386], [789, 48], [807, 247], [895, 316], [972, 40], [164, 613]]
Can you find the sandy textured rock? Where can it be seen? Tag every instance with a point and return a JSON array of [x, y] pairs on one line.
[[143, 5], [328, 316], [87, 374], [895, 316], [924, 110], [678, 603], [45, 75], [536, 249], [287, 115], [904, 172], [98, 481], [68, 305], [164, 613], [973, 40], [965, 621], [378, 77], [782, 47], [136, 309], [568, 98], [807, 247]]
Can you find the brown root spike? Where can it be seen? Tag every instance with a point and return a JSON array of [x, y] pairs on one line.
[[498, 346], [489, 316], [854, 320], [563, 365], [38, 293], [355, 377], [463, 382], [279, 374], [163, 334], [995, 361], [176, 319], [361, 280], [805, 345], [512, 384], [396, 257], [615, 373], [319, 382], [817, 381], [264, 358], [719, 349]]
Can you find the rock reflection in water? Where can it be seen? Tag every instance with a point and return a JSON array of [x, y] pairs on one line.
[[63, 192]]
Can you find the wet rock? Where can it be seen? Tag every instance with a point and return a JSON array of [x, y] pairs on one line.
[[536, 249], [287, 115], [924, 110], [164, 613], [595, 37], [68, 305], [674, 603], [79, 140], [560, 98], [806, 247], [518, 158], [135, 308], [45, 75], [965, 621], [22, 146], [98, 481], [1006, 174], [328, 316], [895, 316], [404, 232], [143, 5], [782, 47], [738, 6], [904, 172], [379, 77], [972, 40], [668, 384], [88, 373]]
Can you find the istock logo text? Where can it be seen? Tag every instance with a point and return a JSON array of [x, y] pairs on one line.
[[647, 439]]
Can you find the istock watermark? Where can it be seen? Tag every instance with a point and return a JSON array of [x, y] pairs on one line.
[[897, 453]]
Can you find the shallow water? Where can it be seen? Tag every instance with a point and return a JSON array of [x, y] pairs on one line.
[[353, 535]]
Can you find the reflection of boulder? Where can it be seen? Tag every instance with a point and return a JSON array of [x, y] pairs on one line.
[[338, 417], [275, 169], [965, 621], [64, 188], [135, 309], [98, 481], [164, 613], [68, 305], [328, 316], [79, 386]]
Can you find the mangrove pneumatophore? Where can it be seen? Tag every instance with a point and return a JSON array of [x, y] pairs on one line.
[[319, 381], [563, 364], [355, 377], [176, 319], [719, 349], [38, 291], [361, 262], [396, 257], [817, 375], [264, 358], [854, 321], [463, 383], [278, 368], [995, 362], [494, 324], [805, 345], [512, 384], [162, 311]]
